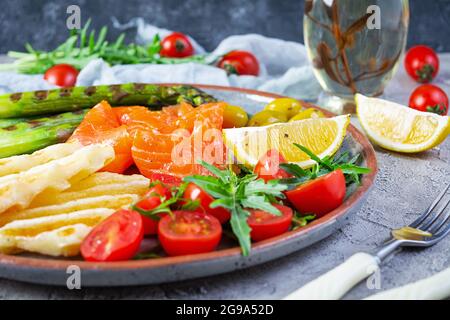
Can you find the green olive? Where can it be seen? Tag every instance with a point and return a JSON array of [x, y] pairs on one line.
[[266, 117], [234, 117], [290, 107], [309, 113]]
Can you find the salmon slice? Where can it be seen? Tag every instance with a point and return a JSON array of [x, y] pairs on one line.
[[101, 125], [158, 153], [141, 118]]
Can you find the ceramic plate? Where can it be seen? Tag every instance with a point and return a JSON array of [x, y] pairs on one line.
[[44, 270]]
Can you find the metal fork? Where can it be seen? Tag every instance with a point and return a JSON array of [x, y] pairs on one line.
[[430, 228]]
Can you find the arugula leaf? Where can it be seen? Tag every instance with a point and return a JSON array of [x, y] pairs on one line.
[[241, 229], [260, 203], [166, 204], [236, 193], [295, 170], [301, 220], [272, 187], [324, 166], [324, 162]]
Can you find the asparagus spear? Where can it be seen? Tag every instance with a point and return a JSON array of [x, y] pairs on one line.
[[31, 135], [70, 99]]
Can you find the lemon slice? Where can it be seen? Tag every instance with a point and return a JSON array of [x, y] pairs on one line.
[[322, 136], [399, 128]]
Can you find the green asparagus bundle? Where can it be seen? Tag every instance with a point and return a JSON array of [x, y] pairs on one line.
[[71, 99], [25, 125], [18, 136]]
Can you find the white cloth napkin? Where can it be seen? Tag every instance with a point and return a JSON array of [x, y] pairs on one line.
[[284, 67]]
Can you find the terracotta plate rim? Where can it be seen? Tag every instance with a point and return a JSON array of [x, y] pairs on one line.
[[366, 183]]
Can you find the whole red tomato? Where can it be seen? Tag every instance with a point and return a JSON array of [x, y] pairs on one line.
[[176, 45], [265, 225], [429, 98], [188, 232], [422, 63], [62, 75], [319, 196], [268, 167], [240, 62], [194, 193], [116, 238]]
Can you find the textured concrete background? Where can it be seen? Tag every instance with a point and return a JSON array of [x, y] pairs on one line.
[[42, 22]]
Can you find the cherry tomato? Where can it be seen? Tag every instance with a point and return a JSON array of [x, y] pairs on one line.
[[268, 167], [189, 232], [150, 201], [422, 63], [265, 225], [240, 62], [116, 238], [62, 75], [193, 193], [176, 45], [319, 196], [429, 98]]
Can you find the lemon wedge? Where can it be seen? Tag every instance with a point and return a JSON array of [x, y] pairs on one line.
[[399, 128], [322, 136]]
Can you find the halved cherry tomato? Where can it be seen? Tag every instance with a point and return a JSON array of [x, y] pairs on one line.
[[116, 238], [240, 62], [189, 232], [422, 63], [194, 193], [62, 75], [150, 201], [176, 45], [268, 167], [319, 196], [265, 225]]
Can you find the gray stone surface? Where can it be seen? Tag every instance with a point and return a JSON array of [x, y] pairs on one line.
[[404, 187]]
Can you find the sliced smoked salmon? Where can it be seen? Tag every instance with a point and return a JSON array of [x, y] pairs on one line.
[[166, 143], [101, 125], [176, 153]]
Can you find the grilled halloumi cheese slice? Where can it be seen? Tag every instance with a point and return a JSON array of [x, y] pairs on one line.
[[25, 162], [59, 235], [105, 201], [98, 184], [18, 190]]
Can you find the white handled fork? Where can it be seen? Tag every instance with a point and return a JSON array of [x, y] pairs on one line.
[[431, 227]]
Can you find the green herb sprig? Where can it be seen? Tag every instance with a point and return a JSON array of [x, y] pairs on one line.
[[168, 205], [300, 220], [347, 164], [236, 193], [83, 46]]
